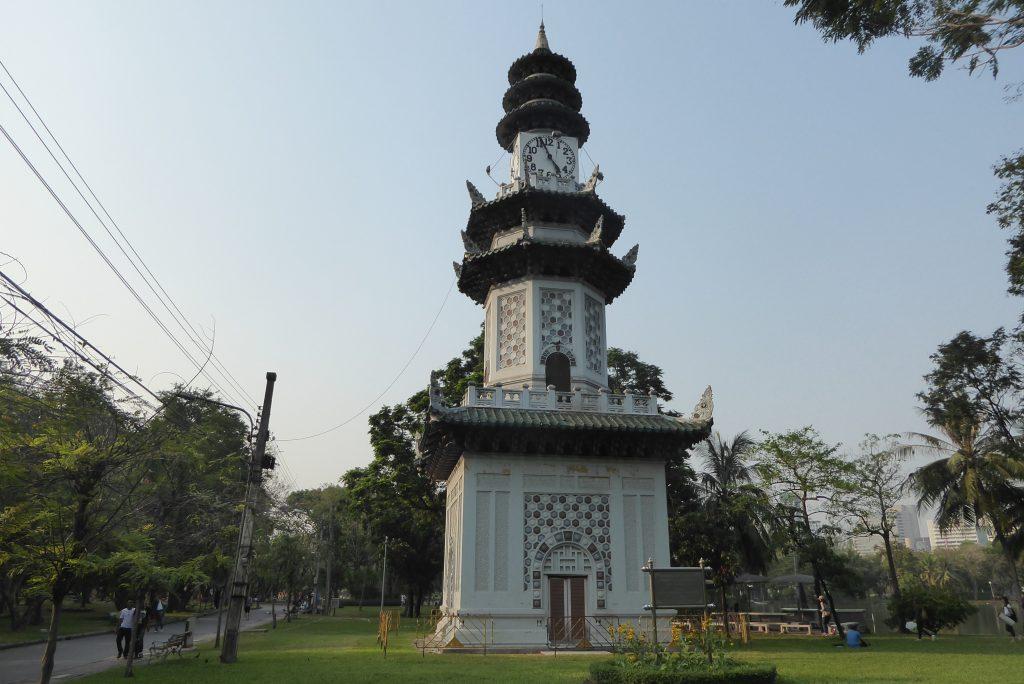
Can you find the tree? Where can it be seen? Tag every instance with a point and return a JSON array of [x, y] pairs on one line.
[[78, 459], [938, 608], [190, 493], [973, 478], [400, 502], [980, 378], [727, 530], [873, 487], [971, 32], [288, 565], [1008, 208], [626, 372], [802, 475]]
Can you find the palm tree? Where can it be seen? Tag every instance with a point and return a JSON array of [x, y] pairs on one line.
[[974, 478], [728, 489], [726, 465]]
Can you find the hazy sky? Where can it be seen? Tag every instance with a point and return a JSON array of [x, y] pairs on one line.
[[811, 221]]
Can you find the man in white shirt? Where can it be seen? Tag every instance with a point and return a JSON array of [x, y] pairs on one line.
[[124, 629]]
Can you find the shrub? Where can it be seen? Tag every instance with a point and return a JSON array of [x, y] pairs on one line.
[[696, 655], [607, 672], [933, 607]]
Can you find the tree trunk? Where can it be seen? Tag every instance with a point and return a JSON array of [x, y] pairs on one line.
[[273, 611], [832, 607], [220, 615], [34, 612], [362, 592], [136, 626], [1015, 591], [894, 580], [56, 606]]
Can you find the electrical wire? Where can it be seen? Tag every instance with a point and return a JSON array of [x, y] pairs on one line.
[[106, 259], [194, 336], [390, 384], [82, 357]]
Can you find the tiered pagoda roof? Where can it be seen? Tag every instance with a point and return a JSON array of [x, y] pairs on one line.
[[542, 96]]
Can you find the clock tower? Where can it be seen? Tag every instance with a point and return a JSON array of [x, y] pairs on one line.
[[555, 486]]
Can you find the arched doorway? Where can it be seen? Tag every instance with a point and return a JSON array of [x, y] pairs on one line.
[[556, 371], [568, 569]]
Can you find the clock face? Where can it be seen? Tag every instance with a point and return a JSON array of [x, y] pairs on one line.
[[549, 157]]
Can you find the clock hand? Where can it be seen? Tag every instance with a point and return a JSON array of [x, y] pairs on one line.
[[550, 158]]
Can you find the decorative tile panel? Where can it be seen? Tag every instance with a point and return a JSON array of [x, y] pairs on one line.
[[512, 329], [555, 320], [556, 521], [594, 324]]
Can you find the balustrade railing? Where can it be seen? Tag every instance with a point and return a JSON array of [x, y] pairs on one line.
[[553, 400]]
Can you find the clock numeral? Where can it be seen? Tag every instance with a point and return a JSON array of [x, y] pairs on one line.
[[529, 158]]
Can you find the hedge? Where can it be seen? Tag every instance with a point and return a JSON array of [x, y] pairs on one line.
[[607, 673]]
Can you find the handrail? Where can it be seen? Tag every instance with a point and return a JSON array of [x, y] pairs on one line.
[[551, 399]]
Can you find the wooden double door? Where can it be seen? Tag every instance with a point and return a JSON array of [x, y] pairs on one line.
[[567, 623]]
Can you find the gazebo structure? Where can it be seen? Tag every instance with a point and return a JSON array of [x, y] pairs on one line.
[[555, 486]]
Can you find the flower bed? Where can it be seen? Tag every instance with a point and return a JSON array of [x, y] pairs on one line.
[[608, 672], [694, 656]]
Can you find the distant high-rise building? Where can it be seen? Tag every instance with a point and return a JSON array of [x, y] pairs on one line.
[[906, 531], [955, 536], [908, 527], [867, 544]]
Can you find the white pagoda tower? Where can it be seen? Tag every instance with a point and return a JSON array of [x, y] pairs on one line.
[[555, 487]]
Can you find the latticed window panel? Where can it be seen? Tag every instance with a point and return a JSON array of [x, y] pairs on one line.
[[556, 319], [512, 329], [594, 328], [563, 522]]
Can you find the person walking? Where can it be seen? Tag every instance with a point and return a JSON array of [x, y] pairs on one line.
[[124, 629], [921, 624], [161, 608], [1008, 616], [247, 606]]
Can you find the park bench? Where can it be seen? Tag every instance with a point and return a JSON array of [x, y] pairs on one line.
[[164, 648], [762, 626], [795, 628]]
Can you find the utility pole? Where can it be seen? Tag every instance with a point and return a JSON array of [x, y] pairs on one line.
[[240, 576], [329, 590]]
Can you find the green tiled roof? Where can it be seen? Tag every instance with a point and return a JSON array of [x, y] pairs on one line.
[[485, 416]]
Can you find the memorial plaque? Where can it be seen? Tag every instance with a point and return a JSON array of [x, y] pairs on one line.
[[678, 587]]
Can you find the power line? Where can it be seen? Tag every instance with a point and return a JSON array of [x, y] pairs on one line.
[[194, 336], [106, 259], [390, 384], [78, 336], [83, 358]]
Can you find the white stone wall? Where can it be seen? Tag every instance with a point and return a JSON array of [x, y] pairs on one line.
[[519, 332], [495, 494]]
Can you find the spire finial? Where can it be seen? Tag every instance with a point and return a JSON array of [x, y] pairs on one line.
[[542, 39]]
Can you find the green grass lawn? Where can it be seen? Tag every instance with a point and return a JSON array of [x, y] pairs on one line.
[[316, 649], [74, 620]]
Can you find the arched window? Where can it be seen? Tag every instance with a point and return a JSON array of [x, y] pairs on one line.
[[556, 371]]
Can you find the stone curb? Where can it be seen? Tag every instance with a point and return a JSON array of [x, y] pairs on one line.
[[83, 635]]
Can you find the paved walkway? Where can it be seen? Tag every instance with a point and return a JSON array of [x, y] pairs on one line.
[[76, 657]]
